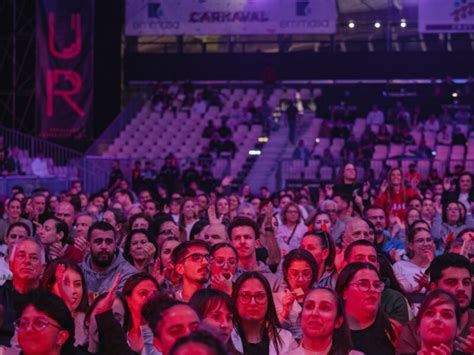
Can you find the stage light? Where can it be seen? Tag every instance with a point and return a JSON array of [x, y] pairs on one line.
[[403, 23], [317, 140], [255, 152], [454, 94], [351, 24], [262, 139], [377, 25]]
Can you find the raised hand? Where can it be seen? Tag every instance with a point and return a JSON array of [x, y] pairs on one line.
[[107, 302], [156, 272], [383, 186], [211, 212], [149, 250], [56, 250], [64, 290], [447, 184], [465, 344], [422, 280], [218, 281], [81, 243]]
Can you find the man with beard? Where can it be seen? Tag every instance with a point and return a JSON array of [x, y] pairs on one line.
[[27, 261], [383, 239], [104, 260], [452, 273], [191, 261]]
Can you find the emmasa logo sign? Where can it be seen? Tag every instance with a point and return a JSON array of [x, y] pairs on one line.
[[227, 16]]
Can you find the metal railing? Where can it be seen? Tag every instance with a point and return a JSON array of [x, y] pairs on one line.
[[96, 170], [61, 155]]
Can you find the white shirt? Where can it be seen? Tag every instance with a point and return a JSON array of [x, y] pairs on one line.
[[375, 117], [39, 167]]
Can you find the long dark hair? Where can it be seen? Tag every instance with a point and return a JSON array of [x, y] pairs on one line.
[[343, 281], [300, 255], [128, 242], [209, 299], [326, 243], [271, 322], [342, 341], [49, 279]]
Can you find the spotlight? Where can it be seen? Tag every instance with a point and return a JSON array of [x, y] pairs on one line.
[[255, 152], [317, 140], [262, 139], [377, 25], [454, 94], [351, 24], [403, 23]]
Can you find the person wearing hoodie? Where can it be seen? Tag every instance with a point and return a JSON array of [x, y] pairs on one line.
[[104, 260]]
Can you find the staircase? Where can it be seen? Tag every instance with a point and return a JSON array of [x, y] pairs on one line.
[[265, 169]]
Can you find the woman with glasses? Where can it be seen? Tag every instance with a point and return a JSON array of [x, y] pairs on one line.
[[437, 324], [321, 246], [45, 326], [324, 325], [299, 272], [257, 329], [224, 261], [360, 288], [451, 221], [65, 279], [411, 273], [290, 232], [215, 309]]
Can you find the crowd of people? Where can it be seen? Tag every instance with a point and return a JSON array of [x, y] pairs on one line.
[[348, 269]]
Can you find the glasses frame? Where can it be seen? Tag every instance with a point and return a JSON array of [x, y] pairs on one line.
[[200, 255], [370, 288], [248, 297], [45, 323]]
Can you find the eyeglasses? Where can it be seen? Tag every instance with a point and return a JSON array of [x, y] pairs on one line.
[[246, 298], [37, 324], [221, 261], [305, 274], [197, 257], [365, 285]]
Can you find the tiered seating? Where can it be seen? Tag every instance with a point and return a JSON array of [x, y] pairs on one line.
[[151, 135]]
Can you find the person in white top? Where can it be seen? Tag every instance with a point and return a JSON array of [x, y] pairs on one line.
[[257, 328], [411, 274], [376, 116], [16, 231], [39, 166], [324, 325]]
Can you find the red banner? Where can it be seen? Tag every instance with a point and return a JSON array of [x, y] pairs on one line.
[[64, 67]]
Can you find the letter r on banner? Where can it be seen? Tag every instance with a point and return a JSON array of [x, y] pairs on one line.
[[52, 79]]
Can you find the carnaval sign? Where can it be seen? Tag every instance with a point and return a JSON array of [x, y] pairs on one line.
[[64, 67], [221, 17], [446, 16]]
